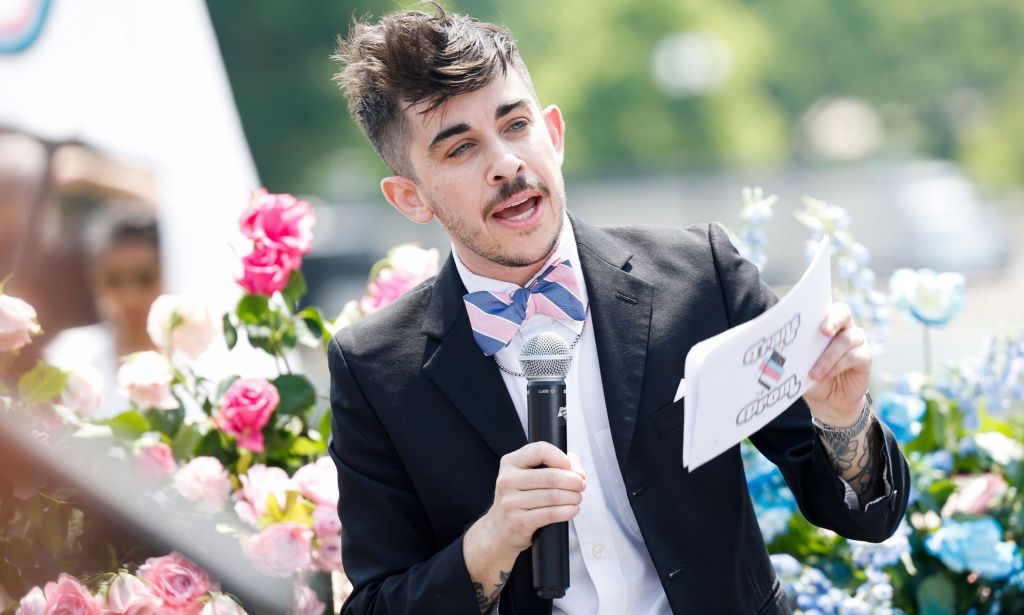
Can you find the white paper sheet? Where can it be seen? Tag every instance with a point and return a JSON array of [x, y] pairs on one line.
[[739, 380]]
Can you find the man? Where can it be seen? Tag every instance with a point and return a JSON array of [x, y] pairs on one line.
[[440, 493]]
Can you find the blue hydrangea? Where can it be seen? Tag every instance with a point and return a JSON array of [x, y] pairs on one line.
[[774, 503], [886, 553], [750, 239], [901, 413], [974, 545], [811, 592]]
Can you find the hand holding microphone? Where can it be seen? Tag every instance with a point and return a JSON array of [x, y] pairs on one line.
[[539, 487]]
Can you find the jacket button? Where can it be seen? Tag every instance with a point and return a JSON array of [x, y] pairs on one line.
[[639, 489]]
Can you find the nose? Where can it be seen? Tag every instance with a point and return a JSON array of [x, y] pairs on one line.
[[506, 166]]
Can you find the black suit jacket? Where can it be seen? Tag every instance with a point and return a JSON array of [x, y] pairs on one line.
[[422, 418]]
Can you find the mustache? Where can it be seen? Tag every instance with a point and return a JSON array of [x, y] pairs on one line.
[[513, 187]]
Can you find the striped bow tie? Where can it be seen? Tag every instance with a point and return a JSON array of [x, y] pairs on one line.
[[496, 317]]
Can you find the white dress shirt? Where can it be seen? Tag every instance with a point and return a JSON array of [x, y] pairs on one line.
[[610, 570]]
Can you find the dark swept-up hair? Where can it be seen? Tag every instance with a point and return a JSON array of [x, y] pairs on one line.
[[411, 57]]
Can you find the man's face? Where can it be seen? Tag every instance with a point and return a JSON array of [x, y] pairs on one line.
[[488, 166]]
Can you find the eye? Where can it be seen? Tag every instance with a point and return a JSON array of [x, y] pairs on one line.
[[463, 147], [518, 125]]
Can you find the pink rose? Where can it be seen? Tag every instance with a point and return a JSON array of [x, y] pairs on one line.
[[279, 220], [34, 603], [177, 582], [146, 379], [245, 409], [325, 521], [204, 481], [83, 390], [318, 481], [222, 605], [407, 266], [266, 269], [69, 597], [129, 595], [306, 602], [154, 461], [328, 555], [280, 550], [17, 323], [181, 327], [258, 485], [976, 494], [388, 286]]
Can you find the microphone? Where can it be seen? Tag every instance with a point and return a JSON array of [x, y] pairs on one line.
[[545, 361]]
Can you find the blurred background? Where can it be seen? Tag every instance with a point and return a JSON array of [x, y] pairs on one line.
[[907, 115]]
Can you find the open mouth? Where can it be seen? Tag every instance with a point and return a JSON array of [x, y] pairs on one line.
[[519, 212]]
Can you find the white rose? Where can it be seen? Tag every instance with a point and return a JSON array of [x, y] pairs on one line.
[[204, 481], [180, 326], [17, 323], [146, 379], [83, 390]]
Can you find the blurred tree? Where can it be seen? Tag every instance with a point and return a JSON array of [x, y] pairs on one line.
[[945, 79]]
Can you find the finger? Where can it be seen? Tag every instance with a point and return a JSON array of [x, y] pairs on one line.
[[857, 358], [543, 478], [542, 498], [839, 346], [839, 317], [539, 517], [577, 465], [537, 454]]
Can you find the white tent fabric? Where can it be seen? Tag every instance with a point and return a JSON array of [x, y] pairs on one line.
[[144, 82]]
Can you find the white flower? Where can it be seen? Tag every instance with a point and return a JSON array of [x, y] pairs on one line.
[[1000, 448], [414, 260], [146, 379], [205, 481], [348, 315], [180, 326], [931, 298], [83, 390]]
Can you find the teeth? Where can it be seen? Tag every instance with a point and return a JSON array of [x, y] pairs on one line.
[[523, 216]]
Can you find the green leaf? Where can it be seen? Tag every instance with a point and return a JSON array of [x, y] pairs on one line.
[[230, 333], [288, 335], [253, 309], [210, 445], [325, 425], [295, 289], [314, 321], [223, 385], [166, 421], [296, 391], [936, 596], [127, 425], [305, 447], [41, 384], [185, 441]]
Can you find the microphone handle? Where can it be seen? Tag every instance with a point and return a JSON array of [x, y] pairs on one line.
[[546, 415]]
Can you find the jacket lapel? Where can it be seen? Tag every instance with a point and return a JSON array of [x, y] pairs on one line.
[[620, 305], [458, 367]]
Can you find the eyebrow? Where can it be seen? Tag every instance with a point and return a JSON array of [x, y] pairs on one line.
[[462, 127]]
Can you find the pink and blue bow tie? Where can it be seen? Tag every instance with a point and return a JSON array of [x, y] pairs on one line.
[[496, 317]]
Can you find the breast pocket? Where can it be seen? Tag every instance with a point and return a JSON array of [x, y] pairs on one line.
[[668, 419]]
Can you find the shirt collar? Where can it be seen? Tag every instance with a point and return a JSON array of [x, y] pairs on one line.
[[566, 249]]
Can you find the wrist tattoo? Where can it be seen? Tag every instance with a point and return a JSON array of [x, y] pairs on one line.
[[847, 455], [485, 601]]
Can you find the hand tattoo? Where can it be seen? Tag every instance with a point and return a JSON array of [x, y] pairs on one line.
[[484, 601]]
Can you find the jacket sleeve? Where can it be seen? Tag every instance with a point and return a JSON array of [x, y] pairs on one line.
[[790, 440], [387, 547]]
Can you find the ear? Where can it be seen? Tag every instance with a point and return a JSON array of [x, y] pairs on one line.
[[404, 196], [556, 129]]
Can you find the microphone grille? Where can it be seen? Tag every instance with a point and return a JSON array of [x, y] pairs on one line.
[[545, 356]]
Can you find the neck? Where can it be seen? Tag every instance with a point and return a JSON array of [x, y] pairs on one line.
[[515, 275]]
